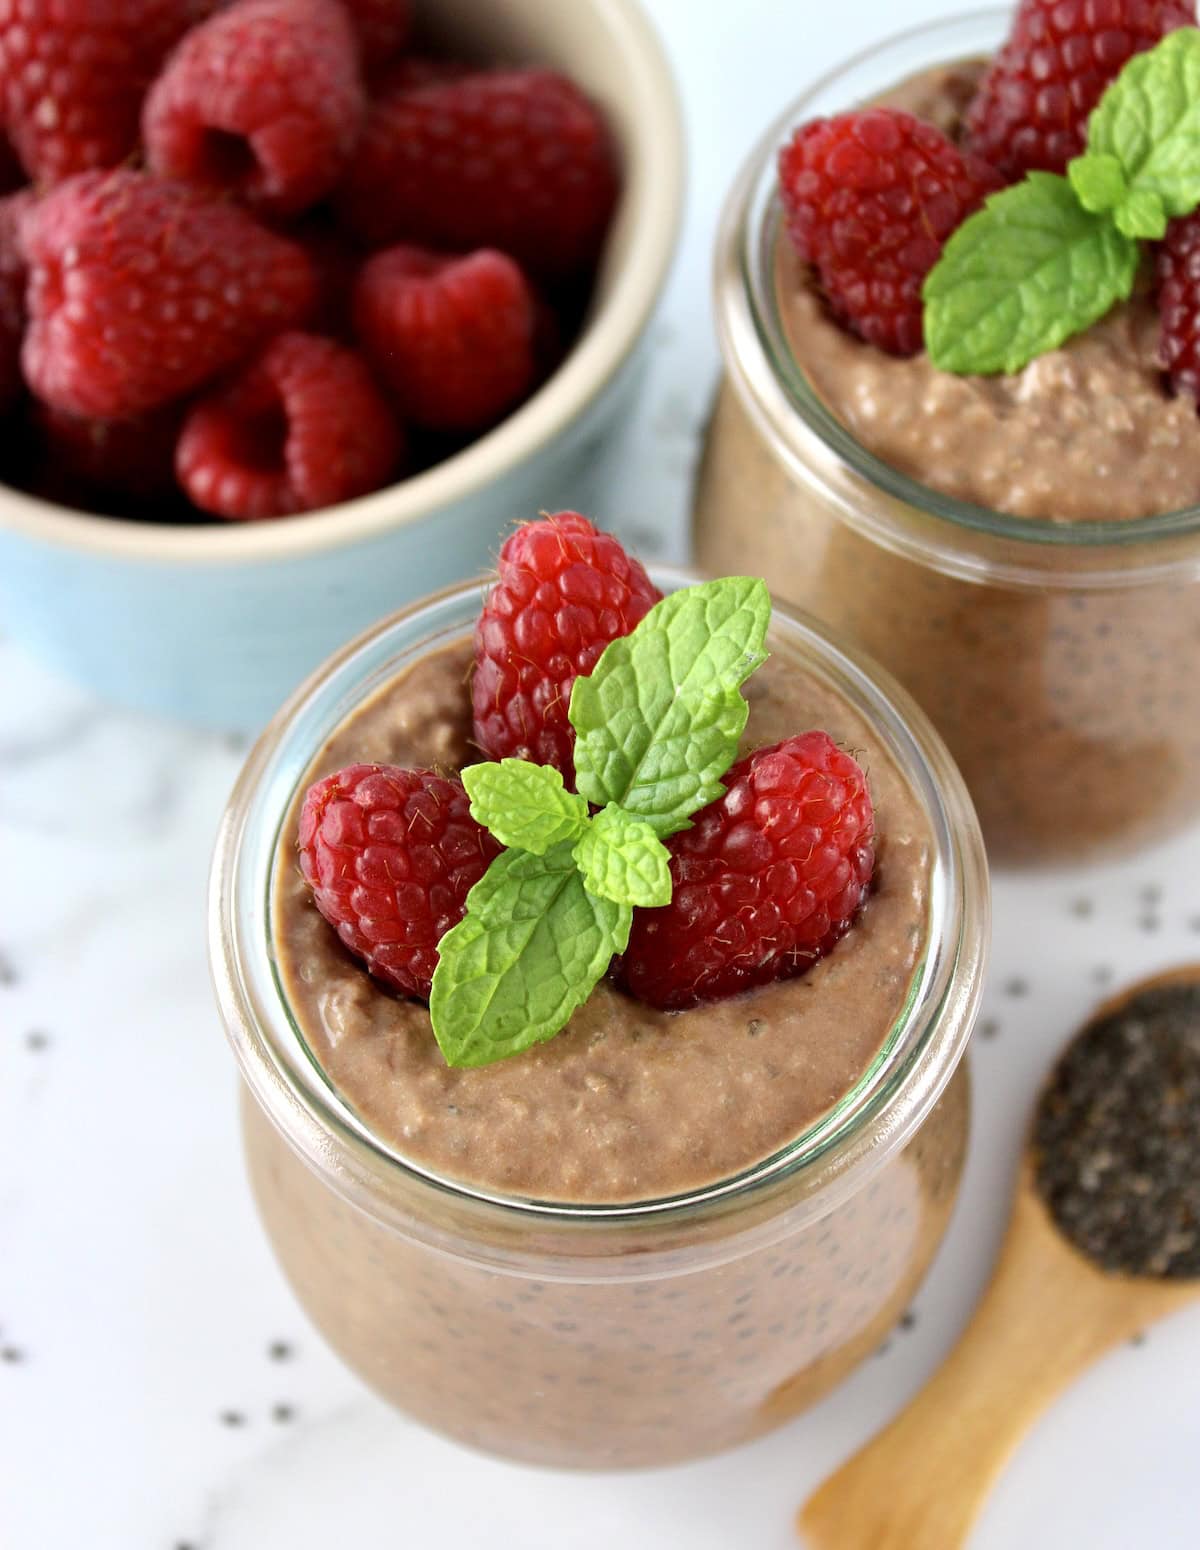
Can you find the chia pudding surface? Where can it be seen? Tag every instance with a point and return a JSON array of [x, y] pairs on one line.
[[1086, 432], [627, 1103]]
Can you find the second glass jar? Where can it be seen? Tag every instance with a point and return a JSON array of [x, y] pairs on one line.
[[1055, 658]]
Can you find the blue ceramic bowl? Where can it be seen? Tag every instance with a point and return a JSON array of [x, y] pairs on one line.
[[215, 624]]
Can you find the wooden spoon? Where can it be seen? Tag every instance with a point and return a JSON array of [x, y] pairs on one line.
[[1048, 1313]]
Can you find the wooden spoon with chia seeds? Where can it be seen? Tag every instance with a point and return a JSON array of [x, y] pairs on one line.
[[1104, 1238]]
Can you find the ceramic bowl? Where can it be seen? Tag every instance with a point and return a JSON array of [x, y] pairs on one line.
[[214, 624]]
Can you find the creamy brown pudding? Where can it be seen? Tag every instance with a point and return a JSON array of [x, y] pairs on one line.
[[627, 1103], [639, 1338], [1056, 669]]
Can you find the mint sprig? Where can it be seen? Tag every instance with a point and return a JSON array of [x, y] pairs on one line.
[[1022, 276], [657, 724], [1148, 124], [1047, 258]]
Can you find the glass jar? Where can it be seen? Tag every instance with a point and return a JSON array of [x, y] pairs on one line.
[[1056, 659], [602, 1335]]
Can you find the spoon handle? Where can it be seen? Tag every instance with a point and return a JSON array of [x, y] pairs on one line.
[[920, 1484]]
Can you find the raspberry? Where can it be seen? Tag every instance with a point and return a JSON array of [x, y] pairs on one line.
[[870, 199], [263, 101], [134, 458], [1178, 273], [337, 263], [518, 160], [73, 74], [564, 591], [303, 427], [770, 876], [453, 337], [12, 174], [390, 856], [413, 71], [141, 290], [1032, 105], [383, 27], [12, 296]]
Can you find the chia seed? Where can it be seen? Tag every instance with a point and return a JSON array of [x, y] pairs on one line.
[[1117, 1136]]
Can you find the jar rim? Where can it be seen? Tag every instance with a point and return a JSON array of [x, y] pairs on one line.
[[889, 1102], [773, 386]]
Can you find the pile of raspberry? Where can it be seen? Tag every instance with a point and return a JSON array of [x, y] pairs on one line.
[[266, 256], [871, 197]]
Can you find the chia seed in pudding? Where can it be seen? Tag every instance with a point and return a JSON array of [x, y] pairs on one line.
[[1117, 1135]]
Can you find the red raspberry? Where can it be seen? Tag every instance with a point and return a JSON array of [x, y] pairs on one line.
[[563, 592], [1032, 105], [390, 856], [413, 71], [140, 290], [870, 199], [766, 881], [337, 262], [12, 174], [454, 337], [519, 160], [134, 458], [1178, 272], [263, 101], [73, 74], [303, 427], [383, 27], [12, 296]]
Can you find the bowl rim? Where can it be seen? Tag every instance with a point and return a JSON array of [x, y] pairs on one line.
[[653, 197]]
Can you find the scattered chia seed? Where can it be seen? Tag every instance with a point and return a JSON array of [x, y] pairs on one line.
[[1116, 1136]]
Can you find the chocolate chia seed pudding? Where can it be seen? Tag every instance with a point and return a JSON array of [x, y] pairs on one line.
[[481, 1245], [1004, 544], [628, 1103]]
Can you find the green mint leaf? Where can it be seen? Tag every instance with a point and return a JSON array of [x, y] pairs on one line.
[[529, 950], [1148, 121], [524, 805], [622, 859], [1022, 275], [658, 720], [1141, 214], [1099, 181]]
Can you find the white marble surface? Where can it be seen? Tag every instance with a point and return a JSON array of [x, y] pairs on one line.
[[159, 1387]]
